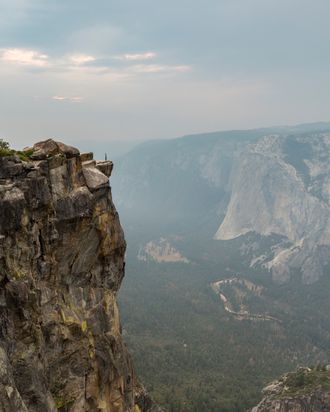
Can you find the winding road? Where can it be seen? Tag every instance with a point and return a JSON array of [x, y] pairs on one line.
[[242, 314]]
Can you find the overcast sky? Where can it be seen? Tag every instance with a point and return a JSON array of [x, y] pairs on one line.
[[140, 69]]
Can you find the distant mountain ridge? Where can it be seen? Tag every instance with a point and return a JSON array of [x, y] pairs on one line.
[[271, 182]]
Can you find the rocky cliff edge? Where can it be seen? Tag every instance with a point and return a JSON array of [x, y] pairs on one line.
[[61, 264], [306, 390]]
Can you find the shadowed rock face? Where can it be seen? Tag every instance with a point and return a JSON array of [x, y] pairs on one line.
[[61, 264]]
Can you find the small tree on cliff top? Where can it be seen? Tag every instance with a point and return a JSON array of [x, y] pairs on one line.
[[4, 144], [4, 148]]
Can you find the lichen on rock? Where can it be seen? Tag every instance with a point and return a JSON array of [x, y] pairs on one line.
[[61, 264]]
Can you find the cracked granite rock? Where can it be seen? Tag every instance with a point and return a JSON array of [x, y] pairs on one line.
[[306, 390], [61, 264]]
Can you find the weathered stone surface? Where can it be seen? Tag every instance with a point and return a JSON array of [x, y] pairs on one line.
[[94, 178], [69, 151], [105, 166], [61, 264], [10, 167], [10, 399], [84, 157], [89, 163], [49, 147], [303, 391]]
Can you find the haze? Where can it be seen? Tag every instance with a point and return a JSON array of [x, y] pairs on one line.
[[128, 70]]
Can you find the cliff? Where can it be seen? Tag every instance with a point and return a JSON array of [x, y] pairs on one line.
[[281, 187], [61, 264], [266, 190], [306, 390]]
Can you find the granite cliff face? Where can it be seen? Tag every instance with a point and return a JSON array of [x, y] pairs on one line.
[[61, 264], [259, 187], [305, 390], [281, 186]]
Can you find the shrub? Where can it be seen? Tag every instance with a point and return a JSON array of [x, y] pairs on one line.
[[5, 148]]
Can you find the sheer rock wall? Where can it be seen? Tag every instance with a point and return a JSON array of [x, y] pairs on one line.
[[61, 264]]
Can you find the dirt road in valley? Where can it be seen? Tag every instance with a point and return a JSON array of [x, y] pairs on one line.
[[243, 313]]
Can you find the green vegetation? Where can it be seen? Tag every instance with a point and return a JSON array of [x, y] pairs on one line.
[[192, 354], [304, 381], [6, 150], [24, 155]]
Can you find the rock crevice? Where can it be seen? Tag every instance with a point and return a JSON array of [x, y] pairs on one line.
[[61, 264]]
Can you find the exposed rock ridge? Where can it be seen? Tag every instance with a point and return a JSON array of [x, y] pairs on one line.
[[306, 390], [61, 264]]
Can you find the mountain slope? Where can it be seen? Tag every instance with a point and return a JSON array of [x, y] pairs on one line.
[[210, 321], [268, 182], [279, 190]]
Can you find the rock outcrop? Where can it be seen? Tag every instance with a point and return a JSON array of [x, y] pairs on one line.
[[61, 264], [161, 251], [306, 390]]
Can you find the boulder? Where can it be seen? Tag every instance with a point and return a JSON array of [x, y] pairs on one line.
[[50, 147]]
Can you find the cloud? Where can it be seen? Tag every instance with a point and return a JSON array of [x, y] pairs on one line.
[[73, 99], [158, 68], [87, 64], [34, 58], [136, 56], [24, 57], [81, 59]]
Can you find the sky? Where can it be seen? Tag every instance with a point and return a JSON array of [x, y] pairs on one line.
[[131, 70]]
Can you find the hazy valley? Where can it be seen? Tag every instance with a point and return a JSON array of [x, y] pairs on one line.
[[247, 210], [163, 247]]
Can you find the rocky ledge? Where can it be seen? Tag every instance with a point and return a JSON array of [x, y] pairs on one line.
[[61, 264], [306, 390]]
